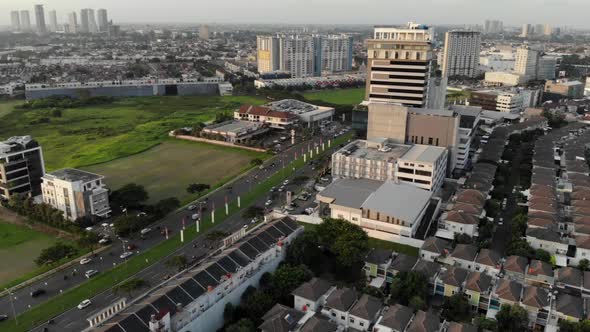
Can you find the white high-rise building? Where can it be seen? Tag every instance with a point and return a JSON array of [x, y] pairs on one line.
[[25, 20], [526, 63], [526, 29], [335, 53], [53, 21], [88, 21], [73, 22], [401, 68], [15, 21], [461, 53], [92, 25], [103, 20], [297, 55], [40, 19]]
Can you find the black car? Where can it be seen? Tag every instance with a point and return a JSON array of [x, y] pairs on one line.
[[3, 317], [37, 292]]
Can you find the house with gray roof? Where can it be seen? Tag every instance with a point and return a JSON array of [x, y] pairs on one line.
[[401, 263], [339, 303], [396, 318], [434, 247], [464, 256], [569, 278], [424, 322], [570, 308], [515, 267], [540, 273], [280, 318], [377, 262], [488, 261], [365, 312], [311, 295], [460, 327], [318, 323]]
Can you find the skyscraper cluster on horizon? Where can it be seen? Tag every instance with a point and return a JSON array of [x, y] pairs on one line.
[[86, 22]]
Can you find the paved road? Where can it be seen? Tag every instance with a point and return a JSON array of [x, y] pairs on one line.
[[57, 283]]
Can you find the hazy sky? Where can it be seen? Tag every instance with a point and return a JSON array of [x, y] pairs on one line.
[[513, 12]]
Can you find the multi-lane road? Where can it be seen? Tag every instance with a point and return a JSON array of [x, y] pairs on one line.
[[74, 319]]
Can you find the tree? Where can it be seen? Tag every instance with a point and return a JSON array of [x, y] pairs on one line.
[[584, 265], [482, 323], [520, 247], [304, 250], [406, 285], [125, 225], [347, 241], [256, 162], [180, 262], [543, 255], [512, 318], [257, 304], [54, 253], [299, 180], [129, 286], [286, 278], [417, 303], [253, 211], [222, 117], [519, 224], [456, 308], [130, 196], [197, 188], [243, 325], [166, 205], [88, 240]]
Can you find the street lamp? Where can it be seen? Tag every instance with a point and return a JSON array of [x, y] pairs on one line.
[[12, 304]]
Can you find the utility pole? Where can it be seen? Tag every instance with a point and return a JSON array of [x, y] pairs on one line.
[[12, 305]]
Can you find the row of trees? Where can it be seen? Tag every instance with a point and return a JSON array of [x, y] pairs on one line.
[[62, 102], [43, 213]]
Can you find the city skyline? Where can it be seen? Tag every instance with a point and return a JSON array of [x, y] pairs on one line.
[[565, 13]]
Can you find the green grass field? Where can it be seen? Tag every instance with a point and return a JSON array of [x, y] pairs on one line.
[[7, 106], [107, 280], [166, 169], [338, 97], [90, 135], [19, 246]]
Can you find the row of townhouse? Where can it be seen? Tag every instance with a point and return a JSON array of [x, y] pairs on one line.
[[320, 306]]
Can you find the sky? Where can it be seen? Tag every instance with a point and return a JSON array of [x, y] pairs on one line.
[[571, 13]]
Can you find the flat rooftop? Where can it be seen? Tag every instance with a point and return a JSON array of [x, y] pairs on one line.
[[74, 175], [295, 106], [402, 201], [350, 192], [235, 126], [365, 150], [424, 153]]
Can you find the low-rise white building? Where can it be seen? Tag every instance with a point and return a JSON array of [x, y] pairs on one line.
[[76, 193], [423, 166], [502, 78]]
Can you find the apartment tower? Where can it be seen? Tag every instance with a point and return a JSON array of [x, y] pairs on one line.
[[103, 20], [53, 21], [40, 19], [21, 167], [15, 21], [268, 54], [73, 22], [461, 53]]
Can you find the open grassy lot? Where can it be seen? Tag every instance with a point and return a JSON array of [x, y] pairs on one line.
[[338, 97], [166, 169], [19, 246], [6, 106], [90, 135]]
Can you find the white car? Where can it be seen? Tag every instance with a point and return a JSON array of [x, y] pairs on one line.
[[126, 254], [104, 224], [84, 304], [285, 182], [281, 189], [268, 203], [195, 216], [191, 207], [145, 231], [90, 273], [89, 229], [112, 225], [104, 241], [85, 260]]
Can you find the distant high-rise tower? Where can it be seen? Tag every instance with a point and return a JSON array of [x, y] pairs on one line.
[[526, 63], [15, 20], [333, 53], [268, 53], [53, 21], [204, 32], [461, 53], [85, 16], [92, 26], [401, 68], [298, 55], [547, 30], [103, 20], [493, 27], [40, 19], [73, 22], [526, 29], [25, 20]]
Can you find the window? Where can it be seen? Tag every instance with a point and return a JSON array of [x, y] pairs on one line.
[[352, 320], [342, 317], [430, 140], [333, 314], [361, 324], [421, 139]]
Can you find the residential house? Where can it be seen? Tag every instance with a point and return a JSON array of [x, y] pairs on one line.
[[546, 239], [377, 262], [508, 292], [488, 261], [394, 319], [451, 281], [464, 256], [570, 308], [364, 313], [460, 327], [311, 295], [424, 322], [338, 304], [318, 323], [471, 196], [458, 222], [429, 270], [434, 247], [401, 263], [515, 267], [582, 248], [540, 273], [478, 287], [569, 278], [280, 318], [537, 302]]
